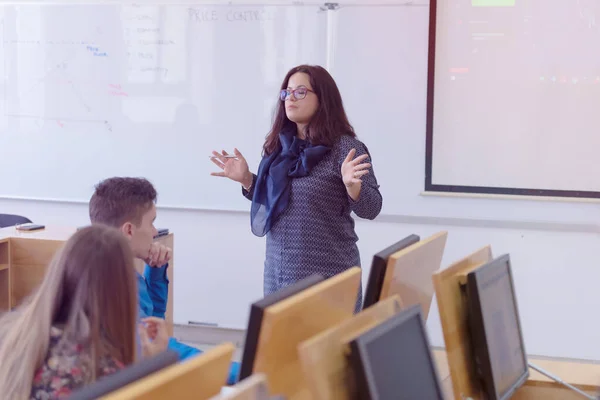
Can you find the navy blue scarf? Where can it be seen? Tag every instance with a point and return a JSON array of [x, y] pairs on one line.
[[294, 159]]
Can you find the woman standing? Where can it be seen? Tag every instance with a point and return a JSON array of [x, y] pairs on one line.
[[313, 174], [81, 322]]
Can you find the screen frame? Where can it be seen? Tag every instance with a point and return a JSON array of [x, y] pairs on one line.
[[479, 334], [379, 268], [489, 190], [365, 380], [255, 320]]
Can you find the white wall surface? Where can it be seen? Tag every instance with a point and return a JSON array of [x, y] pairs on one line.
[[218, 265]]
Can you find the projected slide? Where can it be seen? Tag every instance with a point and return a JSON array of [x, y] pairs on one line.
[[516, 95]]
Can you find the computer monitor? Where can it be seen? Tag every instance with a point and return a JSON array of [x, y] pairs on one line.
[[124, 377], [495, 327], [378, 268], [393, 360], [257, 312]]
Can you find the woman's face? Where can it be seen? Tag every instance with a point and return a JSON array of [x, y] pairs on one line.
[[302, 102]]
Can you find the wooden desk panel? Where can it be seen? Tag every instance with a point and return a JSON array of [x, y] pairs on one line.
[[29, 259], [547, 391], [190, 380], [4, 275], [583, 374], [62, 233], [453, 317], [323, 356], [24, 257]]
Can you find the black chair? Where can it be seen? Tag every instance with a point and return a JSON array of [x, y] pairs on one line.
[[12, 220]]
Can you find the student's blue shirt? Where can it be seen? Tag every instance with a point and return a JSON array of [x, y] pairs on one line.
[[153, 293]]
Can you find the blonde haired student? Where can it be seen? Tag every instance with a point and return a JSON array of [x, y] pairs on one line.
[[81, 322]]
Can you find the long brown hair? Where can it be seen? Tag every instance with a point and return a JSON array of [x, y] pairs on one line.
[[330, 120], [90, 291]]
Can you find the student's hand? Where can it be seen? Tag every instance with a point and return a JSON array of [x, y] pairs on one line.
[[154, 337], [235, 169], [353, 170], [158, 255]]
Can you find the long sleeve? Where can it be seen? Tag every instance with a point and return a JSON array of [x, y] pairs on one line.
[[158, 289], [248, 194], [369, 202]]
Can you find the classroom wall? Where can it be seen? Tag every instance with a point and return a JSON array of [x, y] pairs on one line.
[[218, 266], [218, 262]]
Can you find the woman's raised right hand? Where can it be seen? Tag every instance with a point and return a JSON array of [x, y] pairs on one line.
[[235, 169]]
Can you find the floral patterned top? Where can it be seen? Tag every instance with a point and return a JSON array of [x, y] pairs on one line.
[[66, 368]]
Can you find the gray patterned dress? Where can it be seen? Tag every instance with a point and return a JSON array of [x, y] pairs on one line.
[[315, 234]]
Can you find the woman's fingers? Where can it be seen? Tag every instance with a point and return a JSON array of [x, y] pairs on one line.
[[350, 155], [359, 159], [218, 156], [355, 161], [358, 174], [216, 159], [217, 162], [362, 166]]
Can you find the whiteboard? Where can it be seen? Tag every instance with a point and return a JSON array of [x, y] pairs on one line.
[[203, 77], [91, 91]]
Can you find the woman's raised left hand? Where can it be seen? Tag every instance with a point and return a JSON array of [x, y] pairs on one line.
[[353, 169]]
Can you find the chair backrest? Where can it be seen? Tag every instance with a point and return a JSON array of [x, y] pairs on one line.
[[12, 220]]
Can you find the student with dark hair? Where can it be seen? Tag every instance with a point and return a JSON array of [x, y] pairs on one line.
[[314, 173], [128, 204]]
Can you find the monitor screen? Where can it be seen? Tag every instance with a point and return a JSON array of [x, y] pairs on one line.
[[256, 317], [378, 268], [124, 377], [393, 360], [496, 329]]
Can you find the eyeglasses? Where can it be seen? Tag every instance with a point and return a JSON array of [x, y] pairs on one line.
[[298, 93]]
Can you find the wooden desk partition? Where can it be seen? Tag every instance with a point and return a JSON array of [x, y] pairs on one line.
[[24, 257], [459, 358], [453, 315], [198, 378], [323, 357], [252, 388], [4, 275], [408, 273], [290, 322], [28, 263]]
